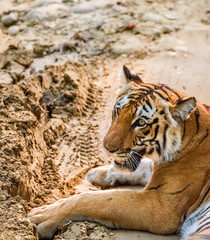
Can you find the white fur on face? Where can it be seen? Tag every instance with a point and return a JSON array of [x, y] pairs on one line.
[[123, 101]]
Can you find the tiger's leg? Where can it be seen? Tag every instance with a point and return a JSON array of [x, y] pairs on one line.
[[108, 176], [114, 208]]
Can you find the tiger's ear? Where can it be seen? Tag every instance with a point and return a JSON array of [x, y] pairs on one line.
[[183, 108], [129, 77]]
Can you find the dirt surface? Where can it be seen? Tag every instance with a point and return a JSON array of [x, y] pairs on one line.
[[59, 71]]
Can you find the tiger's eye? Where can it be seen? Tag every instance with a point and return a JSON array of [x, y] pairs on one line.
[[141, 122]]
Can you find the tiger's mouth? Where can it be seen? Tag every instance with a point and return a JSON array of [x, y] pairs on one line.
[[133, 160]]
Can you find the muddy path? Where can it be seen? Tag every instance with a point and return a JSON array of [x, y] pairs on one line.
[[60, 63]]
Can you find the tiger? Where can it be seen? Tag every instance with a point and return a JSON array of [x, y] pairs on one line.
[[159, 137]]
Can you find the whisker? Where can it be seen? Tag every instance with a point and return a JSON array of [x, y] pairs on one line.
[[136, 153], [134, 162], [134, 159]]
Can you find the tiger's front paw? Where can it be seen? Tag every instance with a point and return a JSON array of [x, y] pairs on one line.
[[105, 176], [47, 219], [115, 178], [98, 176]]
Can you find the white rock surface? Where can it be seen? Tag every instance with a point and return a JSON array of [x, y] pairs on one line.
[[5, 78], [153, 17], [8, 20], [13, 30], [89, 7], [167, 29]]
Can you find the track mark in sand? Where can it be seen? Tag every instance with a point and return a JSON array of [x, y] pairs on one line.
[[78, 150]]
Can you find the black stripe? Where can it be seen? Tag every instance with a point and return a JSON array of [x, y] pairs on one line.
[[170, 89], [202, 213], [151, 151], [155, 187], [146, 132], [204, 197], [180, 191], [206, 107], [148, 87], [207, 133], [203, 226], [160, 95], [145, 109], [159, 88], [185, 215], [145, 117], [158, 149], [197, 115], [149, 104], [164, 135], [184, 130], [156, 120], [142, 90], [164, 90], [156, 131]]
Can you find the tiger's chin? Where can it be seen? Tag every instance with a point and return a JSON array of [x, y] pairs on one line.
[[132, 162]]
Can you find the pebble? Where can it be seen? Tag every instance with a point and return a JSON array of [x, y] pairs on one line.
[[37, 4], [13, 30], [41, 3], [10, 19], [181, 49], [152, 17], [88, 7], [167, 29], [127, 46], [171, 53], [5, 78], [35, 16], [10, 221], [170, 15], [156, 34]]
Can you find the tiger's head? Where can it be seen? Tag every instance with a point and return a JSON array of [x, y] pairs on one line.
[[147, 121]]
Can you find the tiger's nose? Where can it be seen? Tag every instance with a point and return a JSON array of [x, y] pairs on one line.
[[111, 145]]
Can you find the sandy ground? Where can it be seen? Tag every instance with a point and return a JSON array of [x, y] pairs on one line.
[[59, 72]]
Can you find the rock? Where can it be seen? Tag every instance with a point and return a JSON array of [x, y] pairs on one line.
[[41, 3], [167, 29], [152, 17], [156, 34], [170, 15], [171, 54], [84, 230], [99, 24], [35, 16], [181, 49], [5, 78], [51, 11], [127, 45], [88, 7], [10, 19], [37, 4], [178, 27], [13, 30]]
